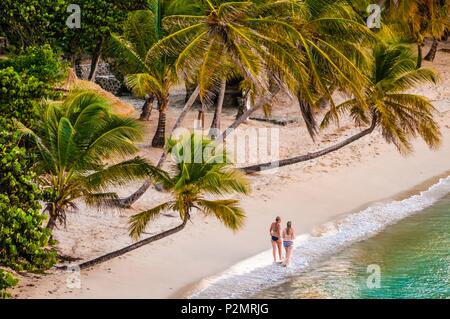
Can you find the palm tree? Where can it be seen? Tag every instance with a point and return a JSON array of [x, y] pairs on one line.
[[201, 174], [274, 45], [74, 141], [419, 19], [202, 170], [332, 41], [439, 24], [274, 41], [140, 30], [400, 116], [151, 80]]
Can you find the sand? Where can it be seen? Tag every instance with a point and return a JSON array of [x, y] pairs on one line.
[[309, 194]]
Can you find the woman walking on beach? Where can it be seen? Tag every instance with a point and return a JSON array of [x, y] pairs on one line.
[[275, 233], [288, 242]]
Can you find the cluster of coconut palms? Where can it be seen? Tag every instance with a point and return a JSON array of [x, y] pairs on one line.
[[308, 49]]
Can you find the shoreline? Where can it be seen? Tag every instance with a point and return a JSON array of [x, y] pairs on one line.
[[194, 287], [164, 279], [310, 194]]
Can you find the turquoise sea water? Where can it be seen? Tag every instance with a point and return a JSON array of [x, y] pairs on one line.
[[413, 257], [406, 242]]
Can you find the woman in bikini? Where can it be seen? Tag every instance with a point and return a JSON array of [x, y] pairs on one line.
[[275, 233], [288, 243]]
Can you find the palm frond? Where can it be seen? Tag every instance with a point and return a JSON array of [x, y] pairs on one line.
[[226, 211], [139, 222]]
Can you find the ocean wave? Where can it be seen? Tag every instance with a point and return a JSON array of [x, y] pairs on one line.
[[258, 272]]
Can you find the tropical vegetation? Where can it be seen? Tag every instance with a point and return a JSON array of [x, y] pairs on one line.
[[400, 116], [200, 178], [60, 147], [202, 171], [76, 141]]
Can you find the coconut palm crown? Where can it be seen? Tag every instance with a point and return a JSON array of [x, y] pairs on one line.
[[75, 142], [202, 172], [401, 116]]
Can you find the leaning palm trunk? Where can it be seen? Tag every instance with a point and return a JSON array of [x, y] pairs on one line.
[[432, 53], [127, 202], [147, 108], [419, 55], [187, 107], [51, 222], [310, 156], [215, 125], [201, 116], [267, 98], [160, 135], [95, 60], [131, 247]]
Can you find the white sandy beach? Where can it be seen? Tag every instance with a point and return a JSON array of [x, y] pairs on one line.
[[309, 194]]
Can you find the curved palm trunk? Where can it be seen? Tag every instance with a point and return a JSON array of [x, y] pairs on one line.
[[310, 156], [127, 202], [52, 218], [215, 125], [147, 108], [190, 91], [241, 107], [51, 222], [308, 116], [432, 53], [132, 247], [160, 135], [419, 55], [187, 107], [95, 60], [201, 117]]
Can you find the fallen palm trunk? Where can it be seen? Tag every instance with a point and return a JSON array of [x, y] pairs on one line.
[[129, 248], [309, 156], [276, 121]]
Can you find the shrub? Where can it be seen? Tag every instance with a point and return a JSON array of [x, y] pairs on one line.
[[6, 281], [23, 240], [41, 63], [25, 80]]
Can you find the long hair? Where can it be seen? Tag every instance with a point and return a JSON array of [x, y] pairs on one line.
[[288, 228]]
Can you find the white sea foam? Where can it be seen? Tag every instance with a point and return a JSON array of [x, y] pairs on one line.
[[253, 274]]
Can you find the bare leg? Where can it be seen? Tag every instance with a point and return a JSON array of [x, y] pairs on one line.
[[274, 250], [288, 255], [280, 249]]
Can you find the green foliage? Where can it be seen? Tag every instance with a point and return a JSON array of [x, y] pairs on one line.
[[75, 140], [23, 242], [202, 170], [18, 94], [400, 116], [42, 63], [306, 47], [6, 281], [36, 22], [25, 79], [32, 22], [98, 20]]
